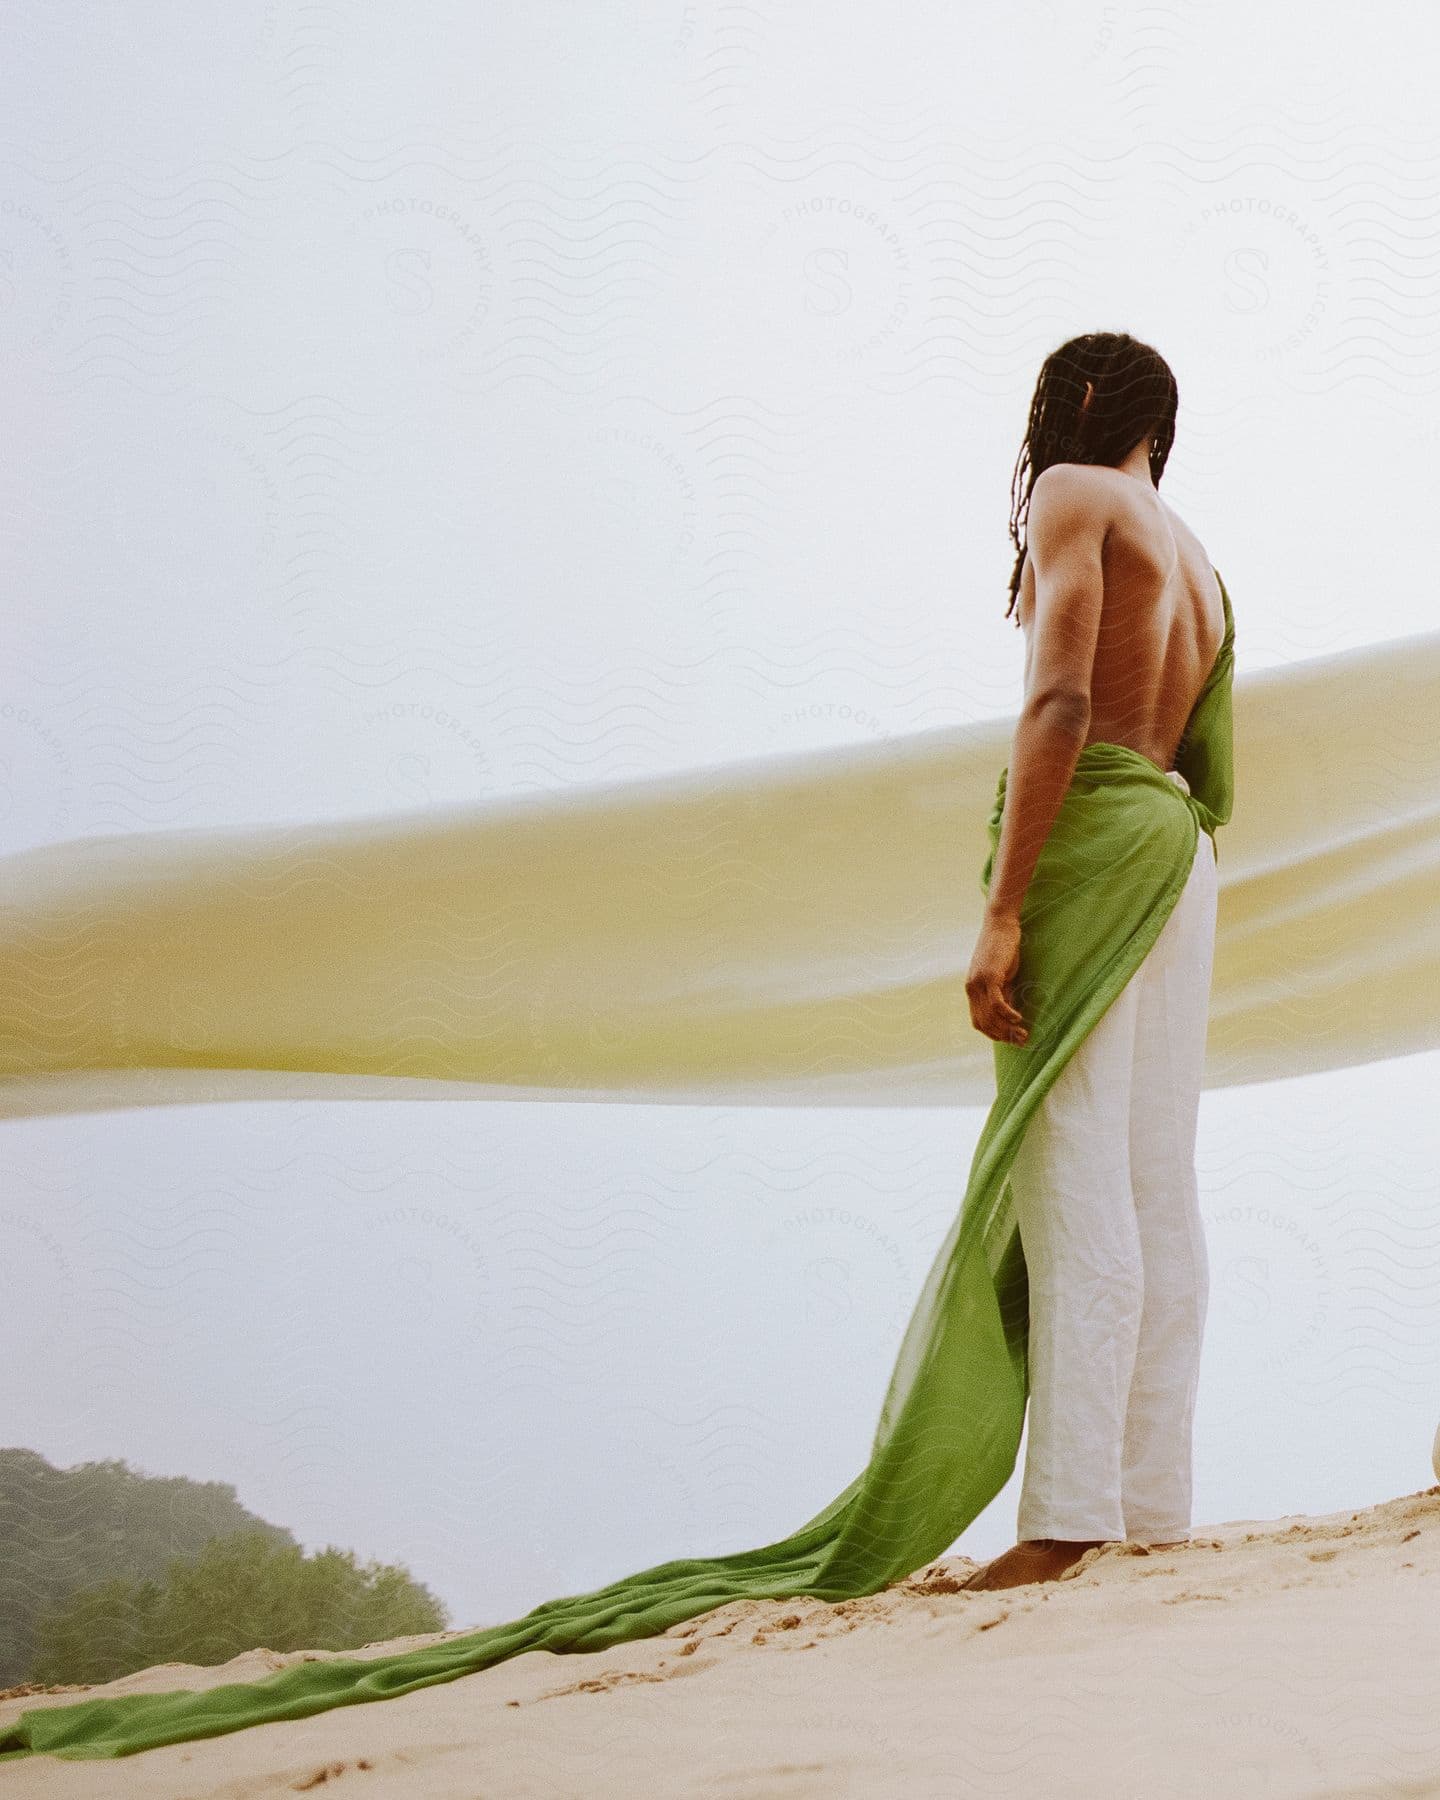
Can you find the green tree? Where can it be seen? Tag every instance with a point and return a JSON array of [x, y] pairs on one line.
[[242, 1592], [101, 1632], [62, 1530]]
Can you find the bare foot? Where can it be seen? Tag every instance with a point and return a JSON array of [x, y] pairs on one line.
[[1033, 1559]]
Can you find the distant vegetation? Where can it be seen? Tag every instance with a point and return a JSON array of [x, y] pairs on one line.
[[104, 1569]]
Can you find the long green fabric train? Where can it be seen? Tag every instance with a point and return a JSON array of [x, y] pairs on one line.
[[949, 1432]]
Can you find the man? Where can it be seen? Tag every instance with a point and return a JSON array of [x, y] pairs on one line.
[[1124, 618]]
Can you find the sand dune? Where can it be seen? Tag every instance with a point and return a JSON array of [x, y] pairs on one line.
[[1289, 1658]]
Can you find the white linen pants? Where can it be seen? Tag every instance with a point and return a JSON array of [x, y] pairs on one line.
[[1107, 1203]]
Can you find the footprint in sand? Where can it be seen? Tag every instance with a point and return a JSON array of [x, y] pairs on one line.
[[328, 1772]]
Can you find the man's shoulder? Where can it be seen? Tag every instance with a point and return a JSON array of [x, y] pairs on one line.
[[1070, 495], [1076, 478]]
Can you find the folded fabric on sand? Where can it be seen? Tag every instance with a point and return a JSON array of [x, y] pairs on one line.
[[773, 932]]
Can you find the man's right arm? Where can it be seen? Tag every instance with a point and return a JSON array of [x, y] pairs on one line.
[[1067, 525]]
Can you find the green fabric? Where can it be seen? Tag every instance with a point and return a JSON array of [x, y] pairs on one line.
[[1111, 870]]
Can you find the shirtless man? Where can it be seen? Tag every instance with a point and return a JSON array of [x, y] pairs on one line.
[[1124, 618]]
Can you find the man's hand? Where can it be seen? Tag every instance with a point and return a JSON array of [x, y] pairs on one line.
[[993, 969]]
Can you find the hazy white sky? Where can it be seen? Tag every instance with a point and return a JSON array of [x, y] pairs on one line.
[[415, 405]]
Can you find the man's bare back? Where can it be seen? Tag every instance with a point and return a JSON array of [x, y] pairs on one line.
[[1162, 618], [1124, 620]]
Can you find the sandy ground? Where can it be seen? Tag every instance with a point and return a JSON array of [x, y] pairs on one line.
[[1297, 1657]]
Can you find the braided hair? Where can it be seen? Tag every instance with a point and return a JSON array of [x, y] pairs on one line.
[[1135, 397]]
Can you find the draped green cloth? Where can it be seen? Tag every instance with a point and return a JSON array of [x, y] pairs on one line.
[[1111, 870]]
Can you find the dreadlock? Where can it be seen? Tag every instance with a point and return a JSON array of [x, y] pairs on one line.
[[1135, 397]]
